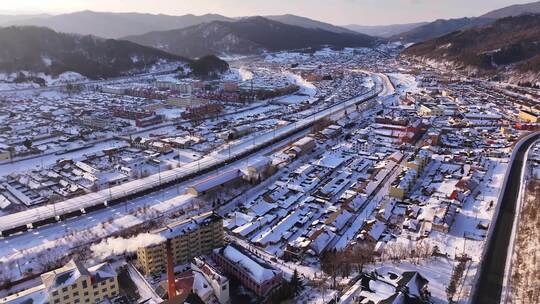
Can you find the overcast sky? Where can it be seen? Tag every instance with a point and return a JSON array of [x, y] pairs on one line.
[[366, 12]]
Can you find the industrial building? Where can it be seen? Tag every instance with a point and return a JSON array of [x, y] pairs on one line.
[[254, 273]]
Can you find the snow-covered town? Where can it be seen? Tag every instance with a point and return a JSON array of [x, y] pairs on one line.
[[352, 175]]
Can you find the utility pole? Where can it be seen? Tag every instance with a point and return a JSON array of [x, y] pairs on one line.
[[159, 173], [464, 242], [19, 267]]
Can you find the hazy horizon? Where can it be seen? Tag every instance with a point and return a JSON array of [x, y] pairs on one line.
[[340, 12]]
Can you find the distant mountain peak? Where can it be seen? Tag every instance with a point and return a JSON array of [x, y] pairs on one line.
[[115, 25], [24, 47], [514, 10], [249, 35], [507, 45]]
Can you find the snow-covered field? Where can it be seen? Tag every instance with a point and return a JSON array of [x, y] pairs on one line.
[[404, 83]]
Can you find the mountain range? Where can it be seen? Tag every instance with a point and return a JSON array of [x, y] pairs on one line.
[[514, 10], [113, 25], [117, 25], [441, 27], [384, 31], [247, 36], [39, 49], [310, 23], [506, 46], [146, 39]]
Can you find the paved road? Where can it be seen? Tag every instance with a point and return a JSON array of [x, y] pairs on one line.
[[490, 281]]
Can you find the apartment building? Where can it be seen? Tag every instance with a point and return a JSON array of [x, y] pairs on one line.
[[190, 238], [403, 183], [182, 87], [419, 161], [71, 284], [74, 283], [529, 116], [4, 154], [406, 179], [431, 110]]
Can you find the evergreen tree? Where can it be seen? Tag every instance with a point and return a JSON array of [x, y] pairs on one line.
[[296, 283]]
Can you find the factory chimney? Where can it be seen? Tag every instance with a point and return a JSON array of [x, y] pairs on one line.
[[171, 286]]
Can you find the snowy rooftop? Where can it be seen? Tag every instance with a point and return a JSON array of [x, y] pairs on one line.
[[259, 271], [188, 225], [34, 295]]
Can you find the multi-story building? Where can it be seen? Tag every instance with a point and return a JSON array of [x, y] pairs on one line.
[[529, 116], [190, 238], [4, 154], [149, 121], [431, 110], [217, 280], [182, 87], [419, 161], [95, 121], [406, 179], [252, 272], [403, 183], [72, 284]]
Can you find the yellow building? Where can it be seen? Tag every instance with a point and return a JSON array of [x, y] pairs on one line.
[[4, 155], [75, 284], [187, 101], [401, 186], [529, 116], [71, 284], [420, 161], [431, 110], [190, 238]]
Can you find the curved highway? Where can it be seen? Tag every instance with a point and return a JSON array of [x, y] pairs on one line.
[[490, 281]]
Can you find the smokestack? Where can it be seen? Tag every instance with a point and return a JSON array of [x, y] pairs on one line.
[[171, 286]]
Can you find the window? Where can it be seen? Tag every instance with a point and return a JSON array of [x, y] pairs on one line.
[[104, 290], [87, 300], [96, 293], [76, 301], [224, 287], [73, 286], [85, 293], [76, 293], [64, 289], [55, 293], [57, 301], [103, 283], [113, 293], [66, 297], [84, 284]]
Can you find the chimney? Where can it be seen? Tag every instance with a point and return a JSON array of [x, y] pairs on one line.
[[171, 287]]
